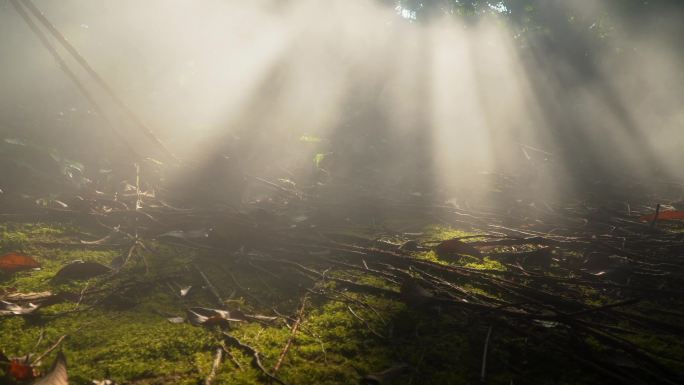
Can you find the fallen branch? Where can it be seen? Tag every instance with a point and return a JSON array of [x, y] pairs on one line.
[[290, 340], [50, 349], [214, 367]]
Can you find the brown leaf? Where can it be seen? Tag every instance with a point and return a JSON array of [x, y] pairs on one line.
[[13, 262], [58, 373], [81, 270], [452, 247]]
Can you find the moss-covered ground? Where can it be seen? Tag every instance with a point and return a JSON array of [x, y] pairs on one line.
[[126, 336], [122, 331]]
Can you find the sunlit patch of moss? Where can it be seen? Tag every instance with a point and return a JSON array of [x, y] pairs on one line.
[[13, 240], [486, 263], [431, 256], [19, 236], [101, 344], [441, 233], [39, 230], [139, 345], [331, 347], [364, 279], [472, 289]]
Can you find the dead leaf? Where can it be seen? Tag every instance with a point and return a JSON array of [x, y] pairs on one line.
[[13, 262], [184, 291], [20, 369], [9, 308], [208, 317], [664, 215], [58, 373], [452, 247], [81, 270]]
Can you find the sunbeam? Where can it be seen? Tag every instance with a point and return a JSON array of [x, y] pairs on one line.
[[336, 192]]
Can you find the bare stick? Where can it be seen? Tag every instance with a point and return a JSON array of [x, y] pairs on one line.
[[83, 292], [70, 74], [98, 79], [214, 366], [365, 322], [51, 348], [290, 340], [40, 338]]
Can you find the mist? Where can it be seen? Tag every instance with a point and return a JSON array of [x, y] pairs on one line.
[[326, 192], [429, 105]]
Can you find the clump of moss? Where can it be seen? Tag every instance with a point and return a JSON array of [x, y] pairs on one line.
[[486, 263], [442, 233]]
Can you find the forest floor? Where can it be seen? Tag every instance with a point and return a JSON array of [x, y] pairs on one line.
[[586, 295]]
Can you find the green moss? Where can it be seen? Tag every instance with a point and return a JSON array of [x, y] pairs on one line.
[[486, 264], [431, 256], [441, 233], [332, 347], [125, 336]]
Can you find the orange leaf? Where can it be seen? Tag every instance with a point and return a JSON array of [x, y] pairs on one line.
[[20, 370], [12, 262], [664, 215]]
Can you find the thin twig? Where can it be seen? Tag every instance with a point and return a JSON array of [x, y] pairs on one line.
[[214, 367], [83, 292], [40, 338], [293, 333], [51, 348], [256, 359]]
